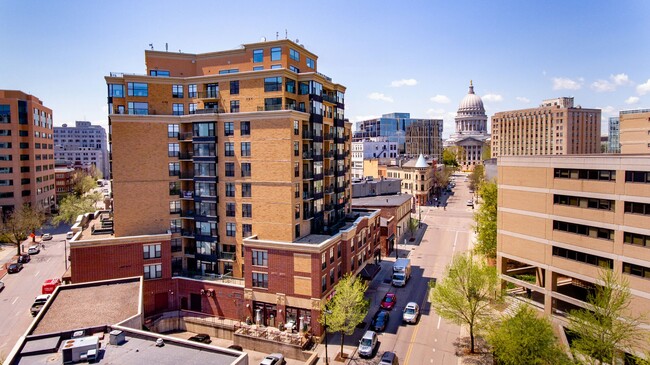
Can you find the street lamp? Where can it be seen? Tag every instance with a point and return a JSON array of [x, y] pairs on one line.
[[325, 325]]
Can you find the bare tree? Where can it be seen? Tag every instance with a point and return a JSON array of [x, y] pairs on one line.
[[21, 223]]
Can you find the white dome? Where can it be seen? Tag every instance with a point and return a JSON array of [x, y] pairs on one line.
[[471, 103]]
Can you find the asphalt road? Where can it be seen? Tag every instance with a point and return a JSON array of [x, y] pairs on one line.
[[21, 289]]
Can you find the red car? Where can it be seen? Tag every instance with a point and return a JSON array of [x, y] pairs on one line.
[[389, 301]]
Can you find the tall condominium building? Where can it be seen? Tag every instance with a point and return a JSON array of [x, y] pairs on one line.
[[635, 131], [368, 149], [84, 144], [563, 219], [614, 135], [471, 137], [396, 127], [26, 152], [556, 127]]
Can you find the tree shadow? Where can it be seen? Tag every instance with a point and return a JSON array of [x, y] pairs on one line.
[[482, 356]]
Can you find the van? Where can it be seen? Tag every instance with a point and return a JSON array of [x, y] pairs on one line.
[[49, 285], [69, 235], [389, 358]]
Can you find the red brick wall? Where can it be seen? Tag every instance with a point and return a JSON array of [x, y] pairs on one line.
[[227, 302]]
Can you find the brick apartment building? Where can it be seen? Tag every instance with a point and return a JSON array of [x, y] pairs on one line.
[[63, 177], [634, 131], [233, 169], [395, 213], [26, 152]]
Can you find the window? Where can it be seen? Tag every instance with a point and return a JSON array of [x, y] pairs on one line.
[[202, 188], [174, 187], [203, 129], [205, 169], [192, 108], [152, 271], [229, 149], [636, 270], [116, 90], [230, 209], [229, 128], [230, 71], [247, 210], [245, 149], [206, 208], [138, 108], [178, 109], [637, 176], [191, 91], [294, 55], [174, 168], [296, 169], [323, 283], [594, 232], [635, 208], [138, 89], [230, 169], [234, 106], [636, 239], [296, 148], [245, 128], [260, 280], [323, 261], [310, 63], [245, 169], [584, 174], [234, 87], [151, 251], [272, 84], [258, 56], [177, 91], [175, 206], [23, 145], [303, 88], [159, 73], [230, 190], [582, 202], [24, 157], [331, 255], [231, 229], [260, 258], [173, 130], [331, 276], [276, 53], [204, 149], [272, 104], [246, 190], [246, 230], [290, 85], [258, 68], [173, 149], [583, 257]]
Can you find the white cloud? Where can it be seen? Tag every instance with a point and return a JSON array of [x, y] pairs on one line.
[[608, 110], [632, 100], [440, 99], [404, 82], [602, 86], [563, 83], [359, 118], [436, 113], [492, 97], [522, 99], [620, 79], [643, 89], [380, 96]]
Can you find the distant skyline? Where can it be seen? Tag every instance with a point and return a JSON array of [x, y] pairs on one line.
[[416, 57]]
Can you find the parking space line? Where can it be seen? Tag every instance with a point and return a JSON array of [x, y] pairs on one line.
[[38, 272], [15, 300]]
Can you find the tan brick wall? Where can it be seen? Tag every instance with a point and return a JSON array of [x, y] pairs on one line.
[[635, 133]]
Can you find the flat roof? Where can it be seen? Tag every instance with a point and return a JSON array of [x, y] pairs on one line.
[[381, 200], [82, 306]]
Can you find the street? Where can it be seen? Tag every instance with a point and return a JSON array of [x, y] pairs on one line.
[[431, 340], [21, 288]]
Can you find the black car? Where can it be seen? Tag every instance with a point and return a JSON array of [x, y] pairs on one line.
[[14, 267], [380, 320], [201, 337], [236, 347], [24, 258]]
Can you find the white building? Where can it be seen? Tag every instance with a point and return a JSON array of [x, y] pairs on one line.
[[369, 149], [84, 144]]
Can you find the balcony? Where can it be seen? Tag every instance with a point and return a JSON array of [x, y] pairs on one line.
[[187, 175], [328, 172], [188, 214], [328, 136], [185, 155], [186, 194], [329, 98], [189, 250], [329, 207], [307, 195], [228, 256], [209, 94], [307, 175], [209, 111], [307, 134], [329, 154], [307, 214], [318, 155], [329, 190], [226, 279], [308, 155], [187, 233], [174, 192], [185, 136]]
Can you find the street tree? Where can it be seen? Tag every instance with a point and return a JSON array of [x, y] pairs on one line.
[[21, 223], [82, 183], [450, 157], [72, 206], [464, 295], [442, 176], [486, 221], [347, 308], [413, 225], [525, 338], [605, 327], [476, 177]]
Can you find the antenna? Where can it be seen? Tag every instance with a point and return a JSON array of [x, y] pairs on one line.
[[285, 34], [166, 47], [277, 35], [151, 45]]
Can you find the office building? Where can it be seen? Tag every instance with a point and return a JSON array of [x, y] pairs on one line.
[[417, 175], [26, 153], [556, 127], [634, 131], [563, 219], [471, 137], [614, 136], [64, 182], [378, 147], [395, 127], [84, 145]]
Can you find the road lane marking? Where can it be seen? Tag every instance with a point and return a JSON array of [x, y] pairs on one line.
[[38, 272], [14, 302], [439, 320], [455, 240], [413, 336]]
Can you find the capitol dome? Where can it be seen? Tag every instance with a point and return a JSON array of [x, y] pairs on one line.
[[471, 103]]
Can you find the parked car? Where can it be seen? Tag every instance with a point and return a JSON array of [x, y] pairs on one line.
[[69, 235], [2, 286], [236, 348], [389, 301], [49, 285], [411, 313], [274, 359], [470, 203], [201, 337], [14, 267], [39, 302], [33, 250], [389, 358], [46, 237], [24, 258], [367, 344], [380, 320]]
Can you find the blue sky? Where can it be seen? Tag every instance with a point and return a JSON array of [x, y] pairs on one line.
[[393, 56]]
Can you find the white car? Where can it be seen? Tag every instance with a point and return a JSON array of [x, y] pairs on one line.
[[367, 344], [46, 237], [274, 359], [470, 203], [33, 250], [2, 285], [411, 313]]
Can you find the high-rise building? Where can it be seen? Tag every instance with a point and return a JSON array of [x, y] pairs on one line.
[[83, 145], [556, 127], [563, 219], [26, 152], [396, 127], [471, 137], [614, 135], [371, 148], [635, 131]]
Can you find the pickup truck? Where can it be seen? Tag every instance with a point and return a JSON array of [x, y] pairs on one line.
[[39, 302]]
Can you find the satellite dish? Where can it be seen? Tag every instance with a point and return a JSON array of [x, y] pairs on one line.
[[263, 39]]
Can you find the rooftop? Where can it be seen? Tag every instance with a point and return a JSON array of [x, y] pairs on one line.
[[381, 201]]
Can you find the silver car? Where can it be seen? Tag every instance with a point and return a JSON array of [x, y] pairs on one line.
[[367, 344], [411, 313]]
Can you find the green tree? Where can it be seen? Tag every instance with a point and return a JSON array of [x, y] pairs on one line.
[[95, 173], [82, 183], [465, 293], [476, 177], [442, 176], [20, 223], [605, 327], [486, 221], [413, 225], [72, 206], [525, 338], [450, 157], [487, 152], [347, 308]]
